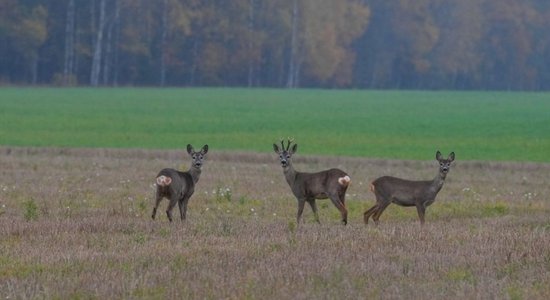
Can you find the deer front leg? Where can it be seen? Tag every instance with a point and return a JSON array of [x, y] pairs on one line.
[[183, 207], [421, 209], [301, 203], [314, 208]]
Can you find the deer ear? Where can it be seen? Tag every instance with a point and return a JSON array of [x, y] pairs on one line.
[[204, 149], [190, 149], [294, 148], [438, 155], [452, 156], [276, 148]]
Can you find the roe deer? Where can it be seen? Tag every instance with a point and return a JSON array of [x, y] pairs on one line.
[[178, 186], [307, 187], [403, 192]]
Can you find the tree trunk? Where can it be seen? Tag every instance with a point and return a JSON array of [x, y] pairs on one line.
[[163, 42], [34, 68], [117, 38], [107, 59], [250, 44], [68, 67], [96, 62], [291, 80], [192, 76]]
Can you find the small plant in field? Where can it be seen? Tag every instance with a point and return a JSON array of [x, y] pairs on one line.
[[31, 210], [291, 232], [164, 232], [223, 194], [226, 229], [140, 238], [514, 292], [461, 274], [142, 206]]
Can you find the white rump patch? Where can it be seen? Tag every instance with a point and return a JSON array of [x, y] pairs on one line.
[[163, 180], [345, 181]]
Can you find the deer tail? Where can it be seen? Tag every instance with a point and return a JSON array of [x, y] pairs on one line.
[[371, 186], [344, 181], [163, 180]]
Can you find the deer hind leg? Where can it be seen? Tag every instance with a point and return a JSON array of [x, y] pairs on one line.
[[369, 213], [314, 209], [381, 207], [157, 202], [341, 207], [173, 202]]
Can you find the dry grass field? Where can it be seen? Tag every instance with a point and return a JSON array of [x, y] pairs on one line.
[[75, 223]]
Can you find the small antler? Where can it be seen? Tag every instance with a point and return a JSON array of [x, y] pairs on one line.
[[290, 140], [282, 144]]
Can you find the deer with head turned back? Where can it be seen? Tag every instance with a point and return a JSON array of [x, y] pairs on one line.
[[178, 186], [307, 187], [403, 192]]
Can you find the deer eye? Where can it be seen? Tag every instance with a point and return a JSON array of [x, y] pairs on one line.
[[288, 156]]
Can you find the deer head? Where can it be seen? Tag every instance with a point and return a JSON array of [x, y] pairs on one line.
[[444, 164], [198, 157], [285, 153]]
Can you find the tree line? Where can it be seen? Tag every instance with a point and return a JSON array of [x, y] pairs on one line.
[[399, 44]]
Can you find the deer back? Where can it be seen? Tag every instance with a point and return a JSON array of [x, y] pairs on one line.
[[402, 191], [182, 182], [318, 184]]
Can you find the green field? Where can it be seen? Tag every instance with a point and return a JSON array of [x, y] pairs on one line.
[[384, 124]]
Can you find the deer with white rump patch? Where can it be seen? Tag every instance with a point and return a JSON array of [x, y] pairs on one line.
[[403, 192], [178, 186], [307, 187]]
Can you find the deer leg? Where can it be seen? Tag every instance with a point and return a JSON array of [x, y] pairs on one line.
[[157, 202], [301, 203], [379, 211], [183, 207], [341, 207], [314, 208], [173, 202], [369, 213], [421, 211]]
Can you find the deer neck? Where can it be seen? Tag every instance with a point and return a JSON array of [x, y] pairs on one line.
[[290, 174], [195, 173], [438, 181]]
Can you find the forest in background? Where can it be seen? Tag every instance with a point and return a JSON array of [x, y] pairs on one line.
[[401, 44]]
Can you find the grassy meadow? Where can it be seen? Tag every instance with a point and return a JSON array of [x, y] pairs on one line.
[[383, 124], [75, 223], [77, 170]]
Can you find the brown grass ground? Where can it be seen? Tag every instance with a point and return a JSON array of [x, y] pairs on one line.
[[75, 223]]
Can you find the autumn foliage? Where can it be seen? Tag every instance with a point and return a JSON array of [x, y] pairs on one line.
[[423, 44]]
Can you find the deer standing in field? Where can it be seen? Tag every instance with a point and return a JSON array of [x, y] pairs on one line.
[[178, 186], [403, 192], [307, 187]]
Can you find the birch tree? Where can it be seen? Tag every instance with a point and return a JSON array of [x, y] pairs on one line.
[[98, 47]]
